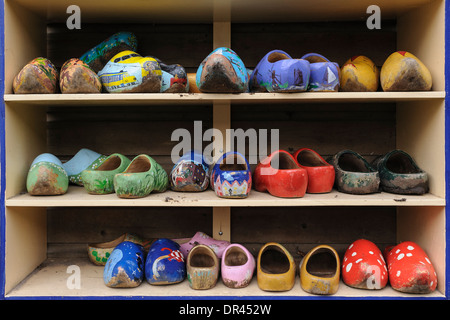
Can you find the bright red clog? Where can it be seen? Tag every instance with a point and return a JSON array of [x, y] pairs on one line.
[[410, 269], [363, 266], [320, 173], [281, 176]]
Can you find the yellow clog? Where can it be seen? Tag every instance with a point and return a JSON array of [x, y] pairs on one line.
[[359, 74]]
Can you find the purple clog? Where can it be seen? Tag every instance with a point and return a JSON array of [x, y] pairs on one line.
[[238, 265], [324, 73]]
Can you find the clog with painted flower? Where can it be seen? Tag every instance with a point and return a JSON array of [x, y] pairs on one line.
[[320, 271], [47, 176], [77, 77], [37, 76], [190, 173], [237, 267], [222, 71], [125, 266], [186, 244], [128, 72], [101, 179], [165, 263], [84, 159], [410, 269], [324, 74], [359, 74], [231, 176], [275, 268], [142, 176], [202, 268], [97, 57], [403, 71], [281, 176], [364, 267], [278, 72]]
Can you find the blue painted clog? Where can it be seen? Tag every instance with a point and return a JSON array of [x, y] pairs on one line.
[[324, 73], [278, 72], [190, 173], [47, 176], [174, 78], [165, 263], [222, 71], [125, 266], [82, 160], [231, 176]]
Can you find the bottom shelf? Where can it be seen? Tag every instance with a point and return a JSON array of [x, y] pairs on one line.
[[50, 280]]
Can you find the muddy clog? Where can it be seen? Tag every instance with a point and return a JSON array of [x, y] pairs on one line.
[[238, 265], [47, 176], [37, 76], [77, 77]]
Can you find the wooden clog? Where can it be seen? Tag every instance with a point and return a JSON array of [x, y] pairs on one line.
[[164, 263], [222, 71], [410, 269], [238, 265], [354, 174], [321, 174], [174, 78], [275, 268], [192, 83], [202, 267], [101, 179], [281, 176], [125, 266], [77, 77], [320, 271], [400, 174], [186, 244], [324, 74], [84, 159], [142, 176], [37, 76], [128, 72], [190, 173], [231, 176], [47, 176], [97, 57], [278, 72], [359, 74], [403, 71], [363, 266]]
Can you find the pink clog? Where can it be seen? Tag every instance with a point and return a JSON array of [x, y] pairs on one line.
[[238, 265], [186, 244]]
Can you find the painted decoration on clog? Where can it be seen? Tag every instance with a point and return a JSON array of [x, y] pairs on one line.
[[47, 176], [218, 246], [77, 77], [363, 266], [190, 173], [84, 159], [37, 76], [222, 71], [125, 266], [324, 74], [359, 74], [129, 72], [278, 72], [165, 263]]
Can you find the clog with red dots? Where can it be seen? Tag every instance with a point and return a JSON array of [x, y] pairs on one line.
[[363, 266]]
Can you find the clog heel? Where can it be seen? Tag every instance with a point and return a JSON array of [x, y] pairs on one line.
[[190, 173], [275, 268], [37, 76], [320, 271], [77, 77], [238, 265], [359, 74], [202, 268], [47, 176], [324, 74]]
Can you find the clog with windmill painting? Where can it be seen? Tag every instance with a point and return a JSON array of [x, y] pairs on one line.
[[324, 76]]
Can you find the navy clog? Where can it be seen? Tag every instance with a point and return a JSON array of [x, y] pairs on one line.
[[190, 173]]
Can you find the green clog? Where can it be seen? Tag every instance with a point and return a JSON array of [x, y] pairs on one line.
[[142, 176], [101, 179], [46, 176]]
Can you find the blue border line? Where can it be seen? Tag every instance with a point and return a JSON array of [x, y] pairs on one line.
[[447, 146], [2, 150]]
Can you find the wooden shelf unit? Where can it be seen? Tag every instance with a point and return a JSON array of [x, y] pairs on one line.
[[420, 129]]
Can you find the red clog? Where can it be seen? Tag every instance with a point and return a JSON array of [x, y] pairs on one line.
[[320, 173], [363, 266], [410, 269], [281, 176]]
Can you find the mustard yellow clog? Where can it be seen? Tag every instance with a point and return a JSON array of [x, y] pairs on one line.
[[359, 74], [320, 271]]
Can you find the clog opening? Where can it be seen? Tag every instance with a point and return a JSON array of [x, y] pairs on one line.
[[201, 258], [308, 158], [276, 56], [352, 163], [110, 244], [140, 164], [283, 161], [233, 162], [274, 260], [322, 263], [400, 163], [111, 163], [235, 256]]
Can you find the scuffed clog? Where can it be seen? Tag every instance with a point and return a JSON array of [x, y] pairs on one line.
[[278, 72], [77, 77], [403, 71], [47, 176], [320, 271], [202, 267], [218, 246], [321, 174], [37, 76], [222, 71], [174, 78], [238, 265], [324, 74], [410, 269], [364, 267], [84, 159], [359, 74], [190, 173], [281, 176]]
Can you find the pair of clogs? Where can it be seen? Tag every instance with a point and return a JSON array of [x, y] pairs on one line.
[[284, 175], [190, 173], [395, 172], [49, 176], [277, 71]]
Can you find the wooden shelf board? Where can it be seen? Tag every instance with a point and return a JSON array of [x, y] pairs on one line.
[[107, 99], [50, 280], [78, 197]]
